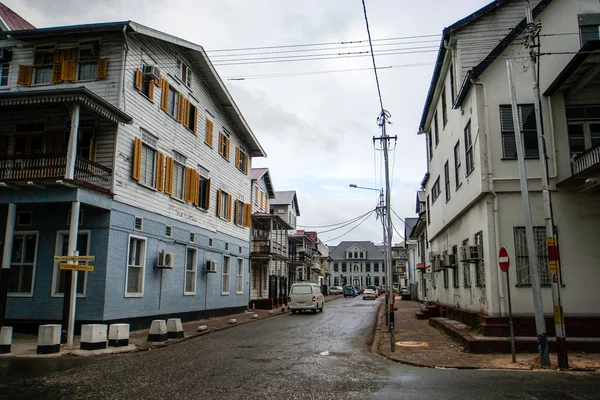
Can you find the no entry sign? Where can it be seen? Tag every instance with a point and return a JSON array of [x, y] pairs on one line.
[[503, 260]]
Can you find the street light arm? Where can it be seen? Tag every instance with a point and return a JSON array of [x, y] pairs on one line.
[[365, 188]]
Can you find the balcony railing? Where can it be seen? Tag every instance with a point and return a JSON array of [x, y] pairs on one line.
[[28, 168], [300, 258], [586, 160], [266, 246]]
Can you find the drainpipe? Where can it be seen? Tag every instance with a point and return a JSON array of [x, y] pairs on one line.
[[551, 117], [496, 288], [120, 97]]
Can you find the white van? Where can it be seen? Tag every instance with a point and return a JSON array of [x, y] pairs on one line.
[[306, 296]]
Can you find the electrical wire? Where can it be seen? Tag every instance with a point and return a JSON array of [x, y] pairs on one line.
[[372, 55], [350, 230], [398, 233], [342, 226], [339, 223], [403, 221]]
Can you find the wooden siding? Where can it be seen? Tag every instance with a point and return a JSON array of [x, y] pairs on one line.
[[173, 136], [261, 185]]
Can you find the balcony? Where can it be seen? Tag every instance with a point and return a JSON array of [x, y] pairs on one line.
[[267, 247], [585, 169], [300, 258], [50, 168]]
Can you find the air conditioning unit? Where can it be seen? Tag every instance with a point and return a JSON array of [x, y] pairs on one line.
[[469, 253], [449, 260], [165, 260], [432, 256], [152, 71], [211, 266], [437, 264]]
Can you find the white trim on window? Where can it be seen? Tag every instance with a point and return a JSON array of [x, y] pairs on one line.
[[37, 240], [142, 266], [56, 269], [193, 273], [239, 278], [225, 276]]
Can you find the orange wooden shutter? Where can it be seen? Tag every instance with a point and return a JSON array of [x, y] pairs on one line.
[[227, 141], [180, 105], [160, 171], [237, 157], [229, 208], [256, 194], [247, 215], [186, 114], [137, 159], [69, 70], [219, 202], [207, 194], [164, 100], [151, 91], [246, 165], [25, 75], [221, 143], [196, 188], [195, 127], [102, 68], [92, 153], [169, 175], [209, 132], [57, 72], [138, 79], [70, 54]]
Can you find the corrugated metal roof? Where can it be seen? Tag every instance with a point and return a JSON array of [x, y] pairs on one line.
[[11, 20], [286, 197]]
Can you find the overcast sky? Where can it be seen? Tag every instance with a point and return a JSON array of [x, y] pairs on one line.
[[317, 129]]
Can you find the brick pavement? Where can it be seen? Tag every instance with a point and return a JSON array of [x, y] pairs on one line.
[[434, 349]]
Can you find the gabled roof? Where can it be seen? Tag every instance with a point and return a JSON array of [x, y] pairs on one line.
[[194, 51], [421, 198], [483, 65], [287, 197], [10, 20], [339, 252], [257, 173], [409, 225]]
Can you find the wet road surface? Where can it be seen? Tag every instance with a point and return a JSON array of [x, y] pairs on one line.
[[306, 356]]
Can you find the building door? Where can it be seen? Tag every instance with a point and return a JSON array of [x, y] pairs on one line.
[[272, 286]]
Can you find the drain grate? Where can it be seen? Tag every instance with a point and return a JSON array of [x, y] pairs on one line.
[[412, 344]]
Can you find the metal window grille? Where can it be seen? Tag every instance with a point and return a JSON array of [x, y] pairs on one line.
[[522, 255], [480, 264]]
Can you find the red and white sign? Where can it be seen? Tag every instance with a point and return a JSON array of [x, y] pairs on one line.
[[503, 260]]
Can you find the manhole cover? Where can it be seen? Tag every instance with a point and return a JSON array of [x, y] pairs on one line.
[[412, 344]]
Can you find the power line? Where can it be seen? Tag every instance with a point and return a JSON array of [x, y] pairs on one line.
[[339, 223], [343, 226], [350, 230], [372, 55], [398, 233]]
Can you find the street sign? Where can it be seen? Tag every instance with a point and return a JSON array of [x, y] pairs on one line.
[[503, 260], [74, 258], [77, 267]]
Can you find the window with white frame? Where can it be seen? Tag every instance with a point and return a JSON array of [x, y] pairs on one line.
[[87, 63], [435, 190], [172, 102], [136, 262], [43, 64], [225, 276], [444, 108], [178, 175], [224, 205], [239, 279], [469, 160], [148, 164], [455, 278], [583, 128], [457, 166], [184, 73], [447, 181], [59, 276], [204, 192], [22, 264], [528, 131], [190, 272], [4, 68], [466, 269]]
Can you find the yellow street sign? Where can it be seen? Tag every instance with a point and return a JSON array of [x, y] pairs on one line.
[[77, 267], [74, 258]]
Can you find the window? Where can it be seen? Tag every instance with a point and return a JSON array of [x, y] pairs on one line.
[[447, 181], [528, 131], [239, 213], [169, 231], [356, 254], [368, 267], [452, 90], [59, 276], [25, 218], [455, 270], [583, 128], [376, 281], [361, 254], [184, 73], [223, 209], [436, 130], [43, 64], [136, 262], [138, 223], [172, 102], [192, 116], [204, 193], [428, 212], [457, 165], [469, 161], [210, 242], [148, 162], [435, 190], [445, 277], [375, 267], [239, 279], [190, 272], [466, 270], [192, 237], [178, 175], [225, 276], [480, 264], [430, 145], [224, 145], [87, 65], [444, 105], [241, 161], [22, 265], [589, 33], [349, 254], [344, 267], [4, 68], [522, 255], [147, 83], [382, 267], [335, 267]]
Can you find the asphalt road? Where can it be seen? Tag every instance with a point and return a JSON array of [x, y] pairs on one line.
[[306, 356]]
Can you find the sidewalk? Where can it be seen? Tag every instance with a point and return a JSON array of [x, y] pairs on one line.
[[420, 344], [26, 345]]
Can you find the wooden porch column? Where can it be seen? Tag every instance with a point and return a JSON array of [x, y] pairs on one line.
[[271, 236], [72, 149], [9, 236]]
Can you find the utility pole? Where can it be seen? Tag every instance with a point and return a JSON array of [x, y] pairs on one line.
[[382, 120], [540, 323], [553, 262]]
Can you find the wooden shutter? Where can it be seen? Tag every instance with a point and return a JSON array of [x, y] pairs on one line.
[[3, 145], [68, 70], [237, 157], [256, 194], [138, 79], [102, 68], [247, 215], [160, 171], [196, 190], [169, 175], [229, 206], [25, 75], [54, 142], [221, 143], [164, 100], [207, 194], [246, 165], [92, 154], [137, 159], [70, 54], [227, 141], [180, 106], [151, 91], [195, 127], [57, 72], [219, 202], [188, 192]]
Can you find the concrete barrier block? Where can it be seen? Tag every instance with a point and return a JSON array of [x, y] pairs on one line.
[[158, 331], [93, 336], [271, 312], [254, 316], [118, 335], [202, 328], [233, 321], [6, 333], [174, 328], [48, 339]]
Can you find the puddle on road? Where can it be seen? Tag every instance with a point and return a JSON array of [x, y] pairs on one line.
[[325, 353]]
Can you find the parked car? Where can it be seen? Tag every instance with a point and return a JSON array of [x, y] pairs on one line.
[[396, 289], [358, 289], [335, 290], [381, 289], [369, 294], [374, 288], [306, 296], [350, 291], [405, 293]]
